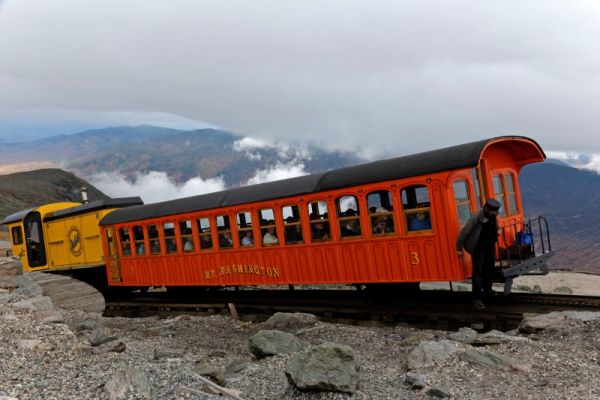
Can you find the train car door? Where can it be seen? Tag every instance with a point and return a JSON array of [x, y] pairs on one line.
[[113, 262], [34, 240]]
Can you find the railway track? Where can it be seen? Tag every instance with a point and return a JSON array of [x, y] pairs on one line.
[[427, 309]]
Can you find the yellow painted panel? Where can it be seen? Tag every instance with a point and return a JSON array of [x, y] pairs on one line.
[[57, 244]]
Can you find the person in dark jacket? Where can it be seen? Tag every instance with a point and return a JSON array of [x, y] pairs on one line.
[[478, 237]]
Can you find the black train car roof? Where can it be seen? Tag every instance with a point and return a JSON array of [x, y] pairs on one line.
[[449, 158], [76, 210]]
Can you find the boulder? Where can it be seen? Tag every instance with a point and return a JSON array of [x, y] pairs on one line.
[[39, 303], [464, 335], [428, 353], [27, 288], [494, 361], [269, 343], [582, 315], [289, 322], [535, 323], [326, 367], [497, 337]]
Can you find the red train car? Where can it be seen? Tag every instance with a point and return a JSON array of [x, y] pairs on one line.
[[390, 221]]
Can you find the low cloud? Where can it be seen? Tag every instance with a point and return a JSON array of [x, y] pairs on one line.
[[278, 172], [577, 160], [153, 186]]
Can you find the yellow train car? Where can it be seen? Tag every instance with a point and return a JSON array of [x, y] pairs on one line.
[[61, 236]]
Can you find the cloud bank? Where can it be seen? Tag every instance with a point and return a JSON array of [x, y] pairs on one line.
[[402, 76], [153, 186]]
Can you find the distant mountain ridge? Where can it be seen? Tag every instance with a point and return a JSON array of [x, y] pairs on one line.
[[569, 198], [183, 155], [566, 196]]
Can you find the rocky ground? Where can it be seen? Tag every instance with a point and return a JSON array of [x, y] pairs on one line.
[[47, 353]]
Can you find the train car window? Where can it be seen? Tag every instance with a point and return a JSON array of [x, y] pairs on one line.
[[138, 239], [17, 235], [268, 230], [125, 241], [292, 226], [509, 180], [170, 241], [477, 187], [499, 193], [415, 202], [224, 232], [319, 221], [348, 216], [380, 212], [462, 201], [205, 233], [110, 242], [187, 238], [154, 240], [244, 221]]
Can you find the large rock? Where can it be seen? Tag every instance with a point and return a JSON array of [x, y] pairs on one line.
[[582, 315], [269, 343], [535, 323], [289, 322], [428, 353], [494, 361], [40, 303], [328, 367], [497, 337], [27, 288]]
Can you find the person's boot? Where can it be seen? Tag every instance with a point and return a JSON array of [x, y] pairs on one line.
[[477, 303]]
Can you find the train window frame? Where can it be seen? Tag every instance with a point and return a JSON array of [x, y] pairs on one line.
[[477, 178], [292, 224], [154, 240], [186, 236], [502, 212], [205, 232], [170, 240], [125, 245], [222, 231], [16, 235], [317, 217], [110, 242], [243, 228], [268, 224], [139, 245], [459, 203], [412, 208], [381, 213], [511, 194], [346, 220]]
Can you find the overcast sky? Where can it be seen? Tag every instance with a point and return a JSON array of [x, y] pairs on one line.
[[385, 76]]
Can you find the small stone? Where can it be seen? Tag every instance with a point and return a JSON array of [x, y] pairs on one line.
[[440, 392], [119, 347], [415, 380], [168, 353]]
